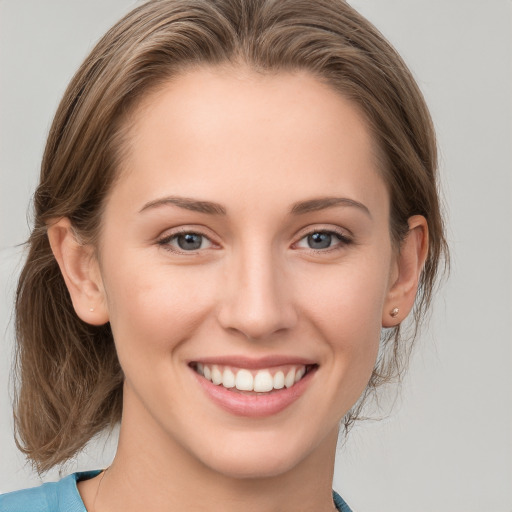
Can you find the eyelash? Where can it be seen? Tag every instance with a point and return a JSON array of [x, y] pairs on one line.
[[343, 240], [165, 242]]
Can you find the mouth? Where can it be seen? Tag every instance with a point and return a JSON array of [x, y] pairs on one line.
[[261, 381]]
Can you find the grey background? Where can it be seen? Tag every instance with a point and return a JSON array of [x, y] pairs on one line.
[[448, 444]]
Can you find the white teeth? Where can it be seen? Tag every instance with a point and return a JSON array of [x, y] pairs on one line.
[[244, 380], [300, 373], [263, 382], [228, 379], [279, 380], [216, 375], [289, 380]]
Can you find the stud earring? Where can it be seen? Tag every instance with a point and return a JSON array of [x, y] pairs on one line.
[[91, 309], [394, 312]]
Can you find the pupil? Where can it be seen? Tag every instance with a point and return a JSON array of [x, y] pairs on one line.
[[319, 240], [190, 241]]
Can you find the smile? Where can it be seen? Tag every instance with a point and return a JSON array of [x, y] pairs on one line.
[[264, 380], [253, 389]]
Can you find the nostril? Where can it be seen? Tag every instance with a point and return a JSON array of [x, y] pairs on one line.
[[255, 299], [257, 323]]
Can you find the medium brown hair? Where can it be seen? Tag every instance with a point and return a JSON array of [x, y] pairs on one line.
[[69, 378]]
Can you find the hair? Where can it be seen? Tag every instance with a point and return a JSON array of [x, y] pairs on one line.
[[69, 381]]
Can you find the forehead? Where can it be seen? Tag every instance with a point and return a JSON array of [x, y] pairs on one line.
[[218, 130]]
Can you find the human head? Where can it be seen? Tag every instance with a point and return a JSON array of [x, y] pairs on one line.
[[150, 46]]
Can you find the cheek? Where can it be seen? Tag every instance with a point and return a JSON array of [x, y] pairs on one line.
[[345, 307], [347, 301], [153, 308]]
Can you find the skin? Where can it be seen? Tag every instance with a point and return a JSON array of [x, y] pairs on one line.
[[257, 145]]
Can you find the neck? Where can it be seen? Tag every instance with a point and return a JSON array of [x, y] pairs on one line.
[[153, 471]]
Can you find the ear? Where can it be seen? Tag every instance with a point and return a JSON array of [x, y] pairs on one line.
[[406, 273], [81, 272]]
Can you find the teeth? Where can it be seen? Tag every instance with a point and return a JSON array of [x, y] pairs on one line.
[[216, 376], [228, 379], [279, 380], [300, 373], [244, 380], [262, 381], [289, 380]]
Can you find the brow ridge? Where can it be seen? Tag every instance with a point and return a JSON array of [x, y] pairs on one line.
[[323, 203], [187, 203]]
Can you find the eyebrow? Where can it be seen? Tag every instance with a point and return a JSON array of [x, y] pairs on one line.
[[211, 208], [322, 203], [188, 204]]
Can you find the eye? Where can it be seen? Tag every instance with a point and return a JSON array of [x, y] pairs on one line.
[[186, 241], [320, 240]]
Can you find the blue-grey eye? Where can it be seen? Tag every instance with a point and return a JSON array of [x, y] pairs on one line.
[[319, 240], [185, 241], [189, 241]]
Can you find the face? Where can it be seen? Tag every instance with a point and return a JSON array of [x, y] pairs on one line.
[[246, 263]]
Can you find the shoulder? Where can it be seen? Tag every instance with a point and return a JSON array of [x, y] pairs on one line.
[[50, 497], [340, 503]]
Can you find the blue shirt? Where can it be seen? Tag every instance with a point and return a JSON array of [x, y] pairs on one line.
[[63, 496]]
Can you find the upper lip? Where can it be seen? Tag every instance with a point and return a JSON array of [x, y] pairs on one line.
[[254, 363]]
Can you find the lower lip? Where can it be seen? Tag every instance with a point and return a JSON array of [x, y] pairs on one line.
[[254, 406]]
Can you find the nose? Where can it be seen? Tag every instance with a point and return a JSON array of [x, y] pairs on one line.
[[257, 299]]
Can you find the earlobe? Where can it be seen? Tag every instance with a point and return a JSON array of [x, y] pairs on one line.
[[80, 270], [410, 262]]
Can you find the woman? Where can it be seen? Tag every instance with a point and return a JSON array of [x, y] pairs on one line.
[[236, 211]]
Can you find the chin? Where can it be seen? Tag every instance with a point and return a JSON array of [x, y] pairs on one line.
[[260, 457], [260, 466]]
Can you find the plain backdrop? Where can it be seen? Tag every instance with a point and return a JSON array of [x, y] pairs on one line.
[[447, 446]]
